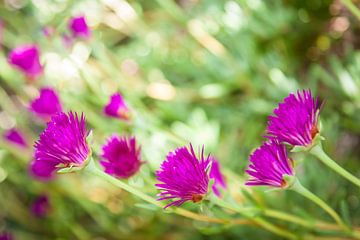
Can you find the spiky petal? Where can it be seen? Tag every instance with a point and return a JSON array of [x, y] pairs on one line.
[[117, 107], [219, 180], [41, 206], [16, 137], [26, 58], [46, 104], [79, 27], [61, 145], [121, 157], [268, 165], [296, 119], [183, 176]]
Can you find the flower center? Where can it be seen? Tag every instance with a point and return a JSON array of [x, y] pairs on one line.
[[196, 198], [314, 130]]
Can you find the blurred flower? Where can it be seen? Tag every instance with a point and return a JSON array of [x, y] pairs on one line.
[[15, 136], [67, 40], [48, 31], [62, 146], [26, 59], [6, 236], [46, 104], [183, 177], [41, 206], [296, 119], [269, 164], [215, 173], [117, 107], [121, 157], [79, 27]]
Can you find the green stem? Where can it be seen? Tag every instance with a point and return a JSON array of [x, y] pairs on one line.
[[182, 212], [248, 213], [318, 152], [353, 9], [297, 187], [287, 217]]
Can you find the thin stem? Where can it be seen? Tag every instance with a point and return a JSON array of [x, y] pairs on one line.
[[318, 152], [182, 212], [287, 217], [353, 9], [297, 187], [247, 212]]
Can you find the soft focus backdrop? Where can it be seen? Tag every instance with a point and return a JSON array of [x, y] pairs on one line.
[[205, 72]]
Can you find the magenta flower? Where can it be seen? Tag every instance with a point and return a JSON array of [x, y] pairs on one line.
[[15, 136], [46, 104], [26, 59], [215, 173], [117, 108], [79, 27], [6, 236], [269, 164], [296, 119], [121, 157], [41, 206], [183, 177], [61, 147]]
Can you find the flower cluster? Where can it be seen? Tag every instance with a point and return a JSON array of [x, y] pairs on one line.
[[46, 104], [26, 58], [295, 123], [184, 176], [121, 157], [61, 146]]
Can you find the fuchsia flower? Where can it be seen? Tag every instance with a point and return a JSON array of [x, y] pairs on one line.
[[183, 177], [46, 104], [117, 108], [15, 136], [269, 164], [26, 59], [296, 119], [121, 157], [6, 236], [41, 206], [215, 173], [79, 27], [62, 146]]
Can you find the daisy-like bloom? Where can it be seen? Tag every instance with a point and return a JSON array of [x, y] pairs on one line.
[[121, 157], [61, 147], [296, 119], [14, 136], [183, 176], [215, 173], [117, 108], [79, 27], [269, 164], [26, 59], [41, 206], [46, 104]]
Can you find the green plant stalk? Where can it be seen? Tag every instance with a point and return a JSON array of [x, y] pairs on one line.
[[352, 8], [91, 168], [247, 212], [297, 187], [318, 152]]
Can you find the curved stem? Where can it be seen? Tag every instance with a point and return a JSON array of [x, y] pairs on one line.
[[297, 187], [352, 8], [318, 152], [248, 212], [182, 212]]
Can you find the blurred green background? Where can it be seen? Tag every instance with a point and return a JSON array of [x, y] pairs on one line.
[[207, 72]]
